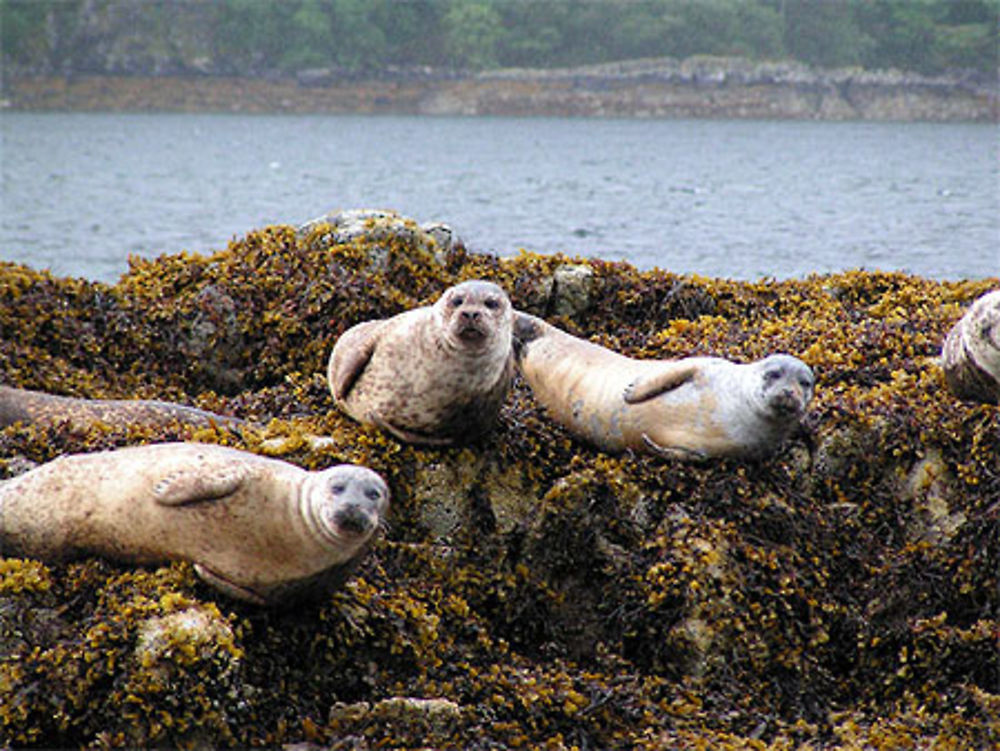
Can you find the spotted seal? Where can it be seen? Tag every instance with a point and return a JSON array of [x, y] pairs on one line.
[[970, 356], [257, 529], [433, 375], [690, 408]]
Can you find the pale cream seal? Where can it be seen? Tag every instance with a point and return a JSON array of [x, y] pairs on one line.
[[258, 529], [693, 407]]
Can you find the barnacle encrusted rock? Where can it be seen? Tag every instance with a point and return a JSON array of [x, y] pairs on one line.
[[377, 227], [529, 591]]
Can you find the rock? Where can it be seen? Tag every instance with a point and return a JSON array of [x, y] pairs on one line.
[[929, 487], [572, 286], [381, 228], [213, 338]]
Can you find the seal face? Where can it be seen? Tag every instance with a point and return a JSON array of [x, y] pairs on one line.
[[691, 408], [970, 356], [258, 529], [433, 375]]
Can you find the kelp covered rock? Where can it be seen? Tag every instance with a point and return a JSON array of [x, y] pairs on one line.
[[530, 590]]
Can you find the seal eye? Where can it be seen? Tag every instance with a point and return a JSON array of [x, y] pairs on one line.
[[456, 301], [492, 303], [337, 488], [373, 494], [771, 376]]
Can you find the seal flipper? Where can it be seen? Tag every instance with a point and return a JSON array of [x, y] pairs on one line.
[[350, 355], [199, 483], [526, 329], [670, 377], [673, 452], [227, 587], [409, 436]]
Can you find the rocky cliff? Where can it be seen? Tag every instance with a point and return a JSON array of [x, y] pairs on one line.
[[530, 591], [697, 87]]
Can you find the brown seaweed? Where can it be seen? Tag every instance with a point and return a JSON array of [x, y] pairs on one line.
[[530, 591]]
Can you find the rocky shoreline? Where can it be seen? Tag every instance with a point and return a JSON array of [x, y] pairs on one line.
[[529, 591], [697, 87]]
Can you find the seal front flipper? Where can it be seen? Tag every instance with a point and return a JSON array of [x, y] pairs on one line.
[[199, 483], [526, 329], [350, 355], [670, 377], [227, 587], [409, 436], [673, 452]]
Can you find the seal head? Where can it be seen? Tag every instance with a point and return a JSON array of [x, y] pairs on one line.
[[786, 386], [344, 505], [473, 316]]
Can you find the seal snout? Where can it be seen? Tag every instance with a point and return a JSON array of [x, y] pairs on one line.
[[471, 326], [355, 520]]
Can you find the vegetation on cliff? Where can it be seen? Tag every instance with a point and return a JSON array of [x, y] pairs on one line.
[[530, 591], [247, 37]]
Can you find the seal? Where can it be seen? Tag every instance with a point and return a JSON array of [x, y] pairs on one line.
[[434, 375], [696, 407], [257, 529], [970, 356], [38, 408]]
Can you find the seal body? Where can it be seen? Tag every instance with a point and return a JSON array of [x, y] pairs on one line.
[[258, 529], [433, 375], [38, 408], [691, 408], [970, 356]]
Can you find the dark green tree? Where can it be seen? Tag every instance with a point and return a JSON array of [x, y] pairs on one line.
[[473, 32], [22, 30], [825, 33]]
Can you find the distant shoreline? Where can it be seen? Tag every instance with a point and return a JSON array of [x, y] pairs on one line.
[[697, 88]]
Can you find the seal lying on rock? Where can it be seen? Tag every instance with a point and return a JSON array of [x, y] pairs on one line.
[[38, 408], [692, 408], [433, 375], [970, 356], [258, 529]]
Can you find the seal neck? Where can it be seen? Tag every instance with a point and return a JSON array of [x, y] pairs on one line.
[[312, 502]]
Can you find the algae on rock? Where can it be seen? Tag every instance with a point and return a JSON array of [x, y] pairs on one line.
[[529, 590]]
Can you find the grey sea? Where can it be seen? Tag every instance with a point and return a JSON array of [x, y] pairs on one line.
[[738, 199]]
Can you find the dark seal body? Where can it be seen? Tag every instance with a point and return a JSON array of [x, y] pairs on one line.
[[258, 529], [38, 408], [691, 408], [433, 375]]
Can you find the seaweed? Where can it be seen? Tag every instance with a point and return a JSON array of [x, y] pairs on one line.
[[530, 590]]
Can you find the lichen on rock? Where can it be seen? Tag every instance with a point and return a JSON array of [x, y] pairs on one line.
[[529, 590]]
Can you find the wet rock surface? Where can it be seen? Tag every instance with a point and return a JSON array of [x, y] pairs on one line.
[[699, 86], [529, 590]]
